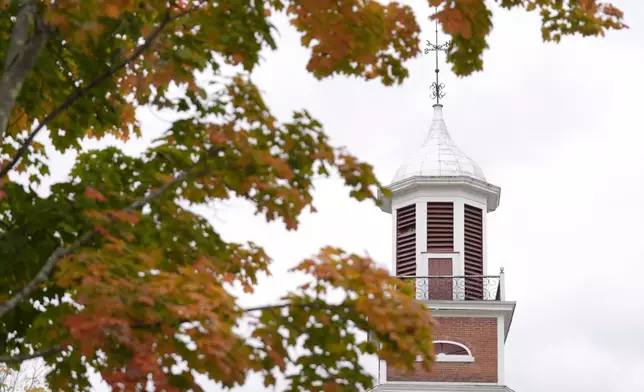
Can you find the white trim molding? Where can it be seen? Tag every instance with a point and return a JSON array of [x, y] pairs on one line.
[[419, 386], [421, 235], [382, 377], [423, 265], [500, 348], [491, 193], [454, 358]]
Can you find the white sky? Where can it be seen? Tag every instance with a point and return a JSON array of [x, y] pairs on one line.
[[558, 127]]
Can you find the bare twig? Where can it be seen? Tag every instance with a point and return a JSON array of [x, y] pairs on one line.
[[60, 252], [64, 68]]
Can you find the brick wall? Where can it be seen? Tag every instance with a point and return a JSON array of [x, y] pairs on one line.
[[478, 334]]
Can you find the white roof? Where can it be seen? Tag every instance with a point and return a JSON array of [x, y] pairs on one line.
[[439, 156]]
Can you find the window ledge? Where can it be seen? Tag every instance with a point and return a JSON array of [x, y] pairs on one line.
[[451, 358], [454, 358]]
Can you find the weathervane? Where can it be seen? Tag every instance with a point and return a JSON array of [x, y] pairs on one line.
[[436, 87]]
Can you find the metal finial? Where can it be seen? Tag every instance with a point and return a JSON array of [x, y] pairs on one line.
[[436, 87]]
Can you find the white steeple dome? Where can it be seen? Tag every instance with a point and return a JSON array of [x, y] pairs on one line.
[[439, 156]]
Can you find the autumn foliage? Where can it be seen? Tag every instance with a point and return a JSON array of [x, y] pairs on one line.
[[112, 270]]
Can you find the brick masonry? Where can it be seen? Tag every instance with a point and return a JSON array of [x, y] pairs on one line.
[[478, 334]]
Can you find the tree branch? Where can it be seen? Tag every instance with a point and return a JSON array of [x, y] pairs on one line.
[[97, 81], [22, 54], [79, 93], [252, 309], [64, 67], [291, 305], [60, 252], [20, 32], [26, 357]]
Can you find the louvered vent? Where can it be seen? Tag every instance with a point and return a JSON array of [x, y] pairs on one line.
[[473, 252], [440, 227], [406, 241]]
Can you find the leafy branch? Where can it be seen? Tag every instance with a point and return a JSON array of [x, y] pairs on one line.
[[81, 92], [26, 357], [55, 350], [43, 274], [296, 305]]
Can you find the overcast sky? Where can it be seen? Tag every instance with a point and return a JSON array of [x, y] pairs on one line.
[[557, 127]]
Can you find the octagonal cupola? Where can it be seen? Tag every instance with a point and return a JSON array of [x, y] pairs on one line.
[[439, 167], [440, 199]]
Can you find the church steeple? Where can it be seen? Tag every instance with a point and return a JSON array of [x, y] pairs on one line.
[[439, 201]]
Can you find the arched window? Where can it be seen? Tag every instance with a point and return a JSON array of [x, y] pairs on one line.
[[448, 351]]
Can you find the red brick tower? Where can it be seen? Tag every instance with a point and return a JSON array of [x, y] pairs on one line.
[[439, 203]]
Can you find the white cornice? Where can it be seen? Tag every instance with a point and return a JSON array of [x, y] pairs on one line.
[[504, 309], [393, 386], [489, 306], [492, 192]]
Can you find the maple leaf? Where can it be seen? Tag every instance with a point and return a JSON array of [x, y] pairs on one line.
[[125, 216], [93, 194]]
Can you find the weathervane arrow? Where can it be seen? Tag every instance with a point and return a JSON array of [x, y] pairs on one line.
[[436, 87]]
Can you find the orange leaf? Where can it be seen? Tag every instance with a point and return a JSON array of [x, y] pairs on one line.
[[217, 138], [95, 215], [228, 278], [93, 194], [125, 216], [118, 244], [279, 361]]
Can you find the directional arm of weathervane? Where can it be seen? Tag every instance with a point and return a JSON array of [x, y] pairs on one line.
[[442, 47], [431, 47]]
